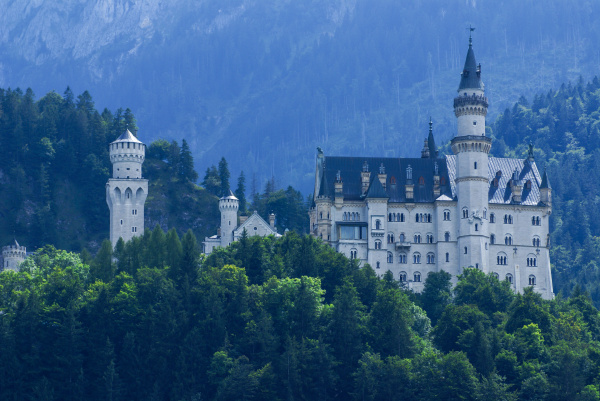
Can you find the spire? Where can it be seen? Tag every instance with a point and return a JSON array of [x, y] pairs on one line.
[[470, 78], [324, 190], [433, 153], [545, 182]]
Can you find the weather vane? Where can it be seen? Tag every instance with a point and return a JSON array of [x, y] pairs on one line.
[[471, 29]]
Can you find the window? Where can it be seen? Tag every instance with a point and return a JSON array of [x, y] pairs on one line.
[[256, 228], [390, 217], [353, 253], [134, 212], [390, 238], [378, 224], [508, 219], [443, 181], [535, 221], [446, 215], [509, 278], [531, 261], [402, 237], [352, 232], [447, 257], [476, 227], [465, 213], [496, 276], [421, 181], [430, 258], [536, 241], [402, 217], [492, 239], [485, 213], [532, 280], [121, 221], [378, 266], [417, 277], [446, 236], [377, 244], [528, 184], [390, 257], [465, 250], [475, 163], [501, 259], [417, 217], [492, 218], [345, 216], [416, 258], [430, 238], [508, 240], [402, 258], [417, 239], [134, 229], [320, 215], [402, 277]]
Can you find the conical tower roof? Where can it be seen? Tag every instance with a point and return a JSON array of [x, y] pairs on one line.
[[545, 182], [127, 136], [230, 195], [433, 153], [470, 78]]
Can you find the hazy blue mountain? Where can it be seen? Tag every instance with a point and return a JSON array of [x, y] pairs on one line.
[[264, 82]]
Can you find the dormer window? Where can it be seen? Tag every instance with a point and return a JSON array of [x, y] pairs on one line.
[[421, 181]]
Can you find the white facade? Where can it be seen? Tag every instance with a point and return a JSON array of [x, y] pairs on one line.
[[230, 231], [126, 191], [430, 214]]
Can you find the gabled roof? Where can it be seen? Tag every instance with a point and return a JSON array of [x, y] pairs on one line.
[[376, 189], [127, 136], [470, 78], [255, 220]]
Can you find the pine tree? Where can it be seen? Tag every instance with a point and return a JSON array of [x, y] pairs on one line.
[[224, 176], [240, 192], [186, 166]]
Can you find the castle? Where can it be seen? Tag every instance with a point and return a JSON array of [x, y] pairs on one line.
[[230, 231], [413, 216], [12, 256], [126, 191]]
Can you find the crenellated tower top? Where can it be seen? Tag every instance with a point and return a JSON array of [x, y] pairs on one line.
[[127, 154]]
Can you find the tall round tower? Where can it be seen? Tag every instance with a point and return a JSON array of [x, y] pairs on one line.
[[228, 206], [126, 191], [12, 256], [471, 148]]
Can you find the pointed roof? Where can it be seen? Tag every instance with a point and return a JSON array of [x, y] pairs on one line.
[[376, 189], [433, 153], [324, 189], [16, 243], [545, 183], [230, 195], [470, 78], [127, 136]]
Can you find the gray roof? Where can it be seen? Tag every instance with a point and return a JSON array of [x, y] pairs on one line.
[[545, 182], [230, 195], [351, 167], [127, 136], [470, 78], [376, 189], [502, 193]]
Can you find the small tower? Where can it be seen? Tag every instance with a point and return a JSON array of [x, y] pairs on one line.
[[12, 256], [228, 206], [471, 148], [546, 190], [126, 191]]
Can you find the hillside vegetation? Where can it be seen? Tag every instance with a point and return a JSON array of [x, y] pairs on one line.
[[269, 319]]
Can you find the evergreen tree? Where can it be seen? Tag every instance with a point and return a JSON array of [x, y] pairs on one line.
[[186, 167], [224, 177], [240, 192]]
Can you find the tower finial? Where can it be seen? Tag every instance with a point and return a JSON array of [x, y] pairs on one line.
[[430, 125], [471, 29]]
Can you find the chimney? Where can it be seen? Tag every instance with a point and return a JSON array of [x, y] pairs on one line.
[[516, 187], [382, 176], [365, 177], [410, 188], [339, 190], [436, 180], [272, 220]]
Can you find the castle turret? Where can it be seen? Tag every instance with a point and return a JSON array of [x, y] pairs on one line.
[[126, 191], [228, 206], [12, 256], [546, 190], [471, 148]]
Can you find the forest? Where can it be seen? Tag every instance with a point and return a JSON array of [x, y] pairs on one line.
[[280, 319]]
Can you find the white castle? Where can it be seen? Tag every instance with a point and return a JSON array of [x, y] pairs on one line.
[[126, 191], [421, 215], [230, 231], [12, 256]]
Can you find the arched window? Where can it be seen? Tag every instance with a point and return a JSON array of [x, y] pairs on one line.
[[429, 217], [501, 259], [430, 258], [402, 237], [393, 180], [495, 275], [416, 258], [345, 216], [465, 213], [465, 250], [430, 238], [509, 278], [402, 277], [402, 258], [528, 184], [446, 215], [390, 238], [377, 244], [421, 181], [402, 217], [390, 218], [378, 224], [476, 227], [508, 240], [378, 265], [492, 239], [535, 221], [446, 236], [536, 241], [357, 216], [417, 239], [417, 277], [447, 257], [532, 280], [390, 257], [443, 181], [353, 253], [492, 218], [531, 260], [417, 217]]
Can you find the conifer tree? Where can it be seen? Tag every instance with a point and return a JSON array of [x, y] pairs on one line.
[[224, 176], [240, 192], [186, 166]]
